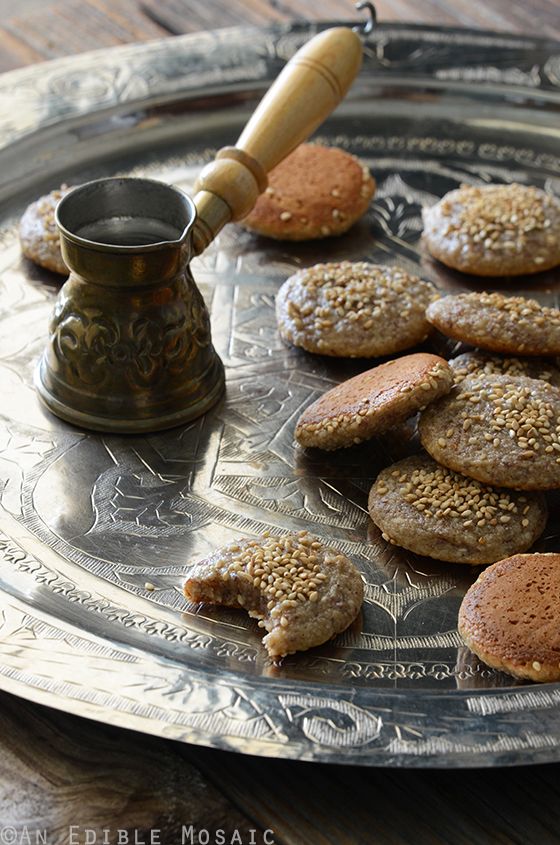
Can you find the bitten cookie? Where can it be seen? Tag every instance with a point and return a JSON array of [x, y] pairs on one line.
[[38, 234], [302, 592], [511, 325], [433, 511], [372, 402], [495, 230], [354, 310], [501, 430], [509, 617], [478, 363], [315, 192]]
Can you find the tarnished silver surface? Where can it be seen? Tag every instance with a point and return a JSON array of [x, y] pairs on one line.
[[87, 520]]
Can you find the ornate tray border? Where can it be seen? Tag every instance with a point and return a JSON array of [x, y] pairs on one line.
[[180, 700]]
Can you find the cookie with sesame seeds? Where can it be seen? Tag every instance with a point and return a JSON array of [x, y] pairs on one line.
[[372, 402], [478, 363], [509, 616], [511, 325], [501, 430], [433, 511], [316, 192], [495, 230], [301, 591], [354, 309], [38, 234]]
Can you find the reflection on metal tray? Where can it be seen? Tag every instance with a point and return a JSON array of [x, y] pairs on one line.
[[87, 520]]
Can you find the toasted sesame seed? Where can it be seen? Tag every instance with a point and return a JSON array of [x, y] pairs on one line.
[[499, 217], [286, 570], [359, 292], [441, 493]]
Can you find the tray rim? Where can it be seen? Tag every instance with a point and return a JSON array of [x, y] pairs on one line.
[[18, 83]]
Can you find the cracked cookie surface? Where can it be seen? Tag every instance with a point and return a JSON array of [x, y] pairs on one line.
[[433, 511], [301, 591], [500, 430], [511, 325], [354, 309], [495, 230]]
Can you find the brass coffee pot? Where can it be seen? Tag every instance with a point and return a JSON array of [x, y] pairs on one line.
[[130, 348]]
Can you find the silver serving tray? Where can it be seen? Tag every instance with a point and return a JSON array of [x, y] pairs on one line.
[[86, 521]]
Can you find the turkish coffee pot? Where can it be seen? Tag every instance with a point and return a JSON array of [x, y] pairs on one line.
[[130, 347]]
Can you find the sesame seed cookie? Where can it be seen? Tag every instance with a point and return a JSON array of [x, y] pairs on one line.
[[354, 309], [315, 192], [509, 617], [372, 402], [495, 230], [511, 325], [38, 234], [479, 363], [502, 430], [302, 592], [433, 511]]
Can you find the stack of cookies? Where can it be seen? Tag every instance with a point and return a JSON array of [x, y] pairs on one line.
[[489, 419], [490, 426]]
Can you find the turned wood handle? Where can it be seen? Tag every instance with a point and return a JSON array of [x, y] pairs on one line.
[[307, 90]]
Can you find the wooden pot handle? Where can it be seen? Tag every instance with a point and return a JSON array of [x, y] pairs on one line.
[[307, 90]]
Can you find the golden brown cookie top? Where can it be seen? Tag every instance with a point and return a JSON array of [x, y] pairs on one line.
[[512, 325], [495, 230], [510, 615], [478, 363], [38, 233], [302, 591], [433, 511], [373, 401], [501, 430], [354, 309], [314, 193]]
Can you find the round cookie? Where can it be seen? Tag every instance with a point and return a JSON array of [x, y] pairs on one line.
[[372, 402], [501, 430], [433, 511], [300, 590], [509, 617], [353, 309], [511, 325], [315, 192], [495, 230], [38, 234], [477, 363]]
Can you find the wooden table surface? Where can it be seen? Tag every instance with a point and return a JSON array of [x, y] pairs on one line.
[[61, 776]]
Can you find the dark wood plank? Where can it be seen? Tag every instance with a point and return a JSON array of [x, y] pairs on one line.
[[15, 53], [313, 804], [540, 17], [73, 26], [58, 770]]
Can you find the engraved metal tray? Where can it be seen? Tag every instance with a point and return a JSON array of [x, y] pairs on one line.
[[87, 520]]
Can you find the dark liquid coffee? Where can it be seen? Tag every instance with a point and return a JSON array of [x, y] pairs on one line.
[[129, 231]]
